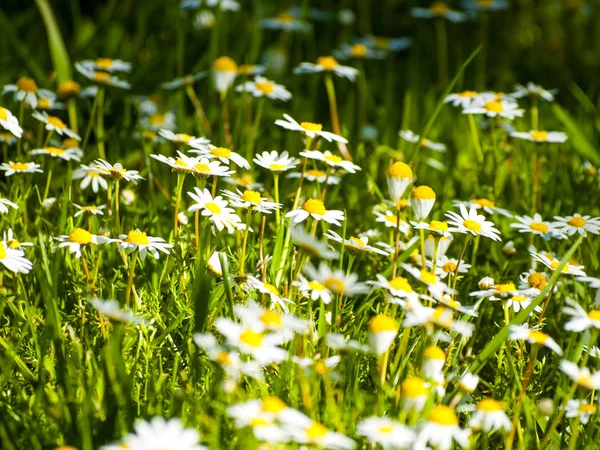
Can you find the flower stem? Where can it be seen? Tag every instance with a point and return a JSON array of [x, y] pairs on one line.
[[475, 138], [117, 216], [49, 179], [276, 193], [462, 253], [100, 123], [130, 278], [335, 120], [245, 241], [180, 178], [255, 125]]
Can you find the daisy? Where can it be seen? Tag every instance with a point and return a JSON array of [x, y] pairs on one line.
[[216, 209], [320, 176], [328, 64], [553, 263], [483, 203], [262, 417], [533, 282], [106, 65], [355, 245], [78, 239], [47, 101], [581, 409], [270, 290], [533, 336], [494, 108], [398, 287], [441, 429], [490, 417], [535, 91], [263, 347], [138, 240], [414, 393], [422, 199], [495, 291], [413, 138], [205, 168], [224, 71], [182, 138], [541, 136], [440, 316], [336, 341], [89, 210], [577, 224], [258, 317], [582, 376], [251, 200], [11, 168], [387, 433], [434, 360], [68, 89], [315, 208], [306, 431], [14, 258], [181, 164], [399, 175], [385, 43], [26, 89], [276, 162], [310, 245], [580, 319], [313, 289], [7, 138], [382, 332], [438, 9], [432, 281], [10, 240], [102, 78], [473, 223], [262, 87], [185, 81], [310, 129], [455, 305], [485, 5], [390, 220], [535, 225], [163, 434], [90, 176], [286, 22], [331, 160], [518, 302], [336, 281], [10, 122], [462, 99], [55, 124], [114, 172], [246, 181], [159, 121], [468, 382], [113, 310], [4, 204], [447, 266], [69, 154], [223, 154]]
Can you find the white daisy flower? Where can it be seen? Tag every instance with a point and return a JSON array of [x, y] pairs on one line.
[[382, 332], [47, 101], [313, 289], [25, 89], [580, 319], [495, 291], [438, 9], [251, 200], [69, 154], [257, 317], [53, 123], [355, 245], [533, 282], [336, 281], [263, 417], [90, 210], [224, 72], [271, 290], [310, 245], [328, 64], [413, 138], [206, 168], [159, 121], [398, 287], [163, 434], [387, 433], [285, 22], [415, 392], [582, 376], [553, 263], [534, 90], [276, 162], [462, 99], [216, 209], [331, 160], [386, 43], [535, 225], [485, 5], [181, 164], [310, 129], [138, 240], [100, 77], [182, 138], [541, 136], [581, 409], [577, 224], [306, 431], [440, 316], [359, 50], [320, 176], [422, 199], [115, 172], [315, 208], [390, 220], [494, 108], [10, 168], [441, 429], [90, 176], [483, 203], [336, 341], [11, 241], [490, 417], [518, 302], [14, 259], [225, 155], [399, 175], [468, 382], [79, 238], [106, 65], [113, 310], [473, 223], [6, 137], [533, 336], [432, 282], [262, 87], [447, 266]]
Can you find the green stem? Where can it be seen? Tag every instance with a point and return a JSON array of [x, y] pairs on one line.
[[255, 125], [90, 125], [462, 253], [475, 137], [180, 178], [130, 278], [335, 119], [245, 241], [276, 193], [100, 123], [49, 179]]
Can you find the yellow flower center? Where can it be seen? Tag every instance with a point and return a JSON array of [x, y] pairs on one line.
[[539, 226], [315, 173], [400, 284], [13, 243], [68, 89], [272, 289], [202, 168], [335, 285], [286, 17], [316, 431], [484, 202], [273, 405], [386, 429], [485, 3], [399, 170], [157, 119], [2, 250], [56, 122], [494, 106], [137, 237], [554, 265], [223, 358], [316, 286], [320, 368], [438, 226], [309, 126], [245, 69], [443, 415], [537, 280], [19, 166], [518, 299], [489, 405], [333, 158], [252, 197], [587, 408], [258, 422], [80, 236], [265, 87], [276, 166], [594, 315], [104, 63], [539, 136], [414, 387], [314, 206], [101, 76], [382, 323], [213, 207], [180, 162], [428, 277], [225, 64], [70, 143], [440, 8], [3, 114], [538, 337], [434, 352], [271, 318], [505, 288], [392, 219], [577, 222], [472, 225], [251, 338], [449, 267], [182, 137], [357, 241], [442, 317], [467, 94], [423, 193], [27, 85], [43, 103], [358, 50], [327, 62], [54, 151]]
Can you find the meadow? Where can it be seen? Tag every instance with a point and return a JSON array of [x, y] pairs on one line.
[[264, 225]]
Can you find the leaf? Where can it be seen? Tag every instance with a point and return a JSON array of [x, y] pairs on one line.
[[578, 139], [58, 51]]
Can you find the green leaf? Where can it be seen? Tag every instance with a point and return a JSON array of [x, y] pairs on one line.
[[58, 51], [576, 136]]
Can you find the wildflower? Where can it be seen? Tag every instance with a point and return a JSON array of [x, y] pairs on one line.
[[181, 164], [315, 208], [313, 289], [518, 302], [47, 101], [443, 242], [112, 309], [336, 281], [490, 417], [263, 417], [53, 123], [431, 280], [102, 78], [533, 282], [224, 155], [337, 341], [387, 433], [90, 176], [320, 176], [138, 240], [10, 168], [310, 129], [355, 245], [398, 287], [183, 138], [286, 22], [359, 50], [216, 209], [468, 382], [69, 154], [434, 359], [260, 318], [485, 5], [413, 138], [276, 162], [114, 172], [26, 89], [328, 64], [483, 203], [89, 210], [68, 89], [580, 319], [577, 224], [441, 429], [391, 221], [106, 65], [505, 109], [271, 290], [441, 317], [463, 99], [438, 9], [246, 181], [206, 168], [159, 121], [311, 245], [422, 199], [6, 137], [306, 431], [10, 240], [582, 376], [398, 176], [534, 91], [535, 225], [382, 332], [251, 200], [541, 136], [78, 239], [385, 43], [472, 223], [224, 71], [491, 290], [581, 409], [414, 393], [14, 259], [331, 160], [262, 87], [553, 263], [447, 266], [533, 336]]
